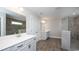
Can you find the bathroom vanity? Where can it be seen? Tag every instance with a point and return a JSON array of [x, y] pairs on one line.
[[18, 42], [13, 35]]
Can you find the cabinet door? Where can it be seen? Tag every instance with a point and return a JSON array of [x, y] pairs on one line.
[[20, 46], [32, 45], [25, 47]]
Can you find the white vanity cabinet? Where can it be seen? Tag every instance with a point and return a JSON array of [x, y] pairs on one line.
[[27, 45]]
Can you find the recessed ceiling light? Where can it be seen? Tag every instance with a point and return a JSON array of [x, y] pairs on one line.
[[74, 13], [21, 9], [43, 21]]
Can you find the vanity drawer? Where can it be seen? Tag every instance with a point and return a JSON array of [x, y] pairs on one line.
[[27, 45], [15, 47], [31, 46], [19, 46], [30, 40]]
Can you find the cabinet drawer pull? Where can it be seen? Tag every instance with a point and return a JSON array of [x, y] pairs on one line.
[[34, 39], [29, 46], [20, 46]]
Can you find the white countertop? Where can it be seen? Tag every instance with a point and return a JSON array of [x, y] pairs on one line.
[[10, 40]]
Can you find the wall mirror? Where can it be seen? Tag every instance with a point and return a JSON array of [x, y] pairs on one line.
[[12, 23], [15, 25]]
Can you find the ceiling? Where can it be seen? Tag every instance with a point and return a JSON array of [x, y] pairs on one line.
[[42, 11], [54, 11]]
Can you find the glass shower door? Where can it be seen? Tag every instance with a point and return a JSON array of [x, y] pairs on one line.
[[73, 26]]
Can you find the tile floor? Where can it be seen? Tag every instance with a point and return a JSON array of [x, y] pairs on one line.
[[52, 44]]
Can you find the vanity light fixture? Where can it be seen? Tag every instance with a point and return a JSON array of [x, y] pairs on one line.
[[16, 23]]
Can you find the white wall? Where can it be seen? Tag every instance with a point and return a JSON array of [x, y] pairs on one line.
[[55, 27]]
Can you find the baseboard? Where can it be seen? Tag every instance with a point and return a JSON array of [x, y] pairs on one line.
[[55, 37]]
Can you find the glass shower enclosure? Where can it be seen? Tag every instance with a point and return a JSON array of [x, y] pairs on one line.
[[73, 26], [71, 23]]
